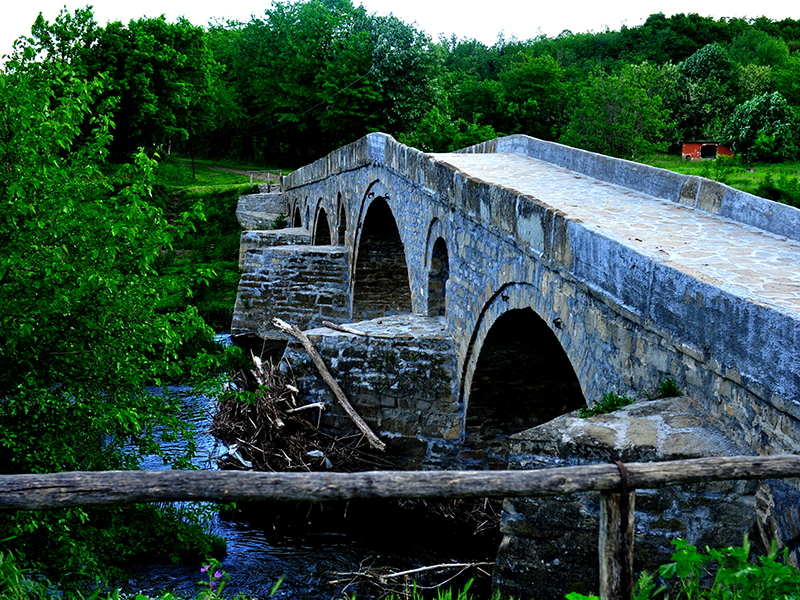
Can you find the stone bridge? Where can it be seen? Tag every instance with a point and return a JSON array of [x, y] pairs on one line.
[[518, 280]]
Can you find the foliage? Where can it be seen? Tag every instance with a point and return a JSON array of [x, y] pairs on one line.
[[614, 115], [18, 583], [763, 128], [437, 132], [643, 589], [83, 320], [726, 574], [710, 62], [611, 401], [160, 77], [735, 576], [667, 388]]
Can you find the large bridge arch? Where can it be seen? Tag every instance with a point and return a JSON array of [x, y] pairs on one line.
[[380, 279], [517, 374]]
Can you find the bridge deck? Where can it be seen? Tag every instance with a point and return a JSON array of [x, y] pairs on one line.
[[743, 260]]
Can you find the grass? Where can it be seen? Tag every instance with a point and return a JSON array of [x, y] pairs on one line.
[[207, 259], [776, 181]]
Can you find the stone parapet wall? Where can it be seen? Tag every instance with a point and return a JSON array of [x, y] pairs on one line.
[[255, 240], [550, 544], [402, 384], [259, 211], [302, 285], [696, 192]]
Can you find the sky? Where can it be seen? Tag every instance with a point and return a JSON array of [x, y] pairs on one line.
[[482, 20]]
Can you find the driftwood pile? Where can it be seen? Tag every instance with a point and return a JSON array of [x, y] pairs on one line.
[[266, 427]]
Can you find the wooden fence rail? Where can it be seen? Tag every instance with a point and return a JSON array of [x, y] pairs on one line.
[[616, 481]]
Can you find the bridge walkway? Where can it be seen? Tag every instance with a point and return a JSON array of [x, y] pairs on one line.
[[745, 261]]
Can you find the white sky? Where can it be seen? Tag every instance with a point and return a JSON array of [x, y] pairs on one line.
[[482, 20]]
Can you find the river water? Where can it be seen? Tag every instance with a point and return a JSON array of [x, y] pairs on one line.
[[310, 546]]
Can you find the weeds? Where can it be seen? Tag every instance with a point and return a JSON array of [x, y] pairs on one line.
[[611, 401], [726, 574], [666, 389]]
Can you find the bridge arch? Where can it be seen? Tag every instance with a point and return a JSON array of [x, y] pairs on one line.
[[437, 266], [341, 227], [297, 219], [322, 229], [516, 373], [381, 282]]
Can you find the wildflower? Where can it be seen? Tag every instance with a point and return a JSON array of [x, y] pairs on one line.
[[205, 568], [217, 574]]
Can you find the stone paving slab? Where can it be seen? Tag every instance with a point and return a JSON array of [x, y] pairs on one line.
[[753, 264]]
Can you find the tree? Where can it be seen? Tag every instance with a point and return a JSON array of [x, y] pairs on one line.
[[82, 331], [710, 62], [535, 90], [755, 47], [613, 114], [763, 128], [161, 78]]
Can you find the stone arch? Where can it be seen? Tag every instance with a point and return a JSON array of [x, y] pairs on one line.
[[381, 283], [516, 373], [322, 229], [438, 274], [341, 228], [297, 219]]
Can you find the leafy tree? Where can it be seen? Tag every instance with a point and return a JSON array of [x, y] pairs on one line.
[[755, 47], [710, 62], [79, 306], [437, 132], [763, 128], [613, 114], [162, 80], [787, 80], [535, 89]]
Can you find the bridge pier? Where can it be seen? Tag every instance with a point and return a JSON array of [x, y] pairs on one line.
[[401, 378]]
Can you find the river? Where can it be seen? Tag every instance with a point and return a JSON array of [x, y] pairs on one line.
[[310, 546]]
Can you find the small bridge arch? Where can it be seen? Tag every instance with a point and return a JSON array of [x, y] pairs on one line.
[[380, 278]]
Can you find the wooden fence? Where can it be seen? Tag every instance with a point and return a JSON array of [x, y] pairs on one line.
[[617, 482]]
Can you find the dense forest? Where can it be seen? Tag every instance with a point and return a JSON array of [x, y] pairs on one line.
[[93, 311], [306, 77]]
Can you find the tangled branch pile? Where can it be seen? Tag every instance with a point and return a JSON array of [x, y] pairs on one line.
[[266, 428]]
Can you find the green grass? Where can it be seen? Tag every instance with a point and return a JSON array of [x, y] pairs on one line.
[[776, 181]]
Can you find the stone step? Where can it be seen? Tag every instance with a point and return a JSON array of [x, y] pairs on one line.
[[257, 239], [264, 202]]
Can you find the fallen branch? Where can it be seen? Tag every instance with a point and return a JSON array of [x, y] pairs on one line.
[[292, 330], [307, 406], [432, 568]]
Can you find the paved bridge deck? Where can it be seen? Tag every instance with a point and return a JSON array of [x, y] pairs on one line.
[[745, 261]]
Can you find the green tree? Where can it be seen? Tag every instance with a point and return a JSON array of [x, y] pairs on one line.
[[615, 115], [162, 79], [757, 47], [763, 128], [82, 331], [438, 132], [535, 90]]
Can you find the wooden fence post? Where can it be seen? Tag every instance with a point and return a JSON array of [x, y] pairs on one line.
[[616, 542]]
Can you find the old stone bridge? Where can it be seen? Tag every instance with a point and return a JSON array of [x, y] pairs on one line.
[[506, 285]]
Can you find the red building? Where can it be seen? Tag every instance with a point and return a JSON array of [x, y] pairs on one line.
[[703, 149]]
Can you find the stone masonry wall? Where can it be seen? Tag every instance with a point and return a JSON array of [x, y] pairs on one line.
[[302, 285], [402, 385], [254, 240], [550, 544]]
